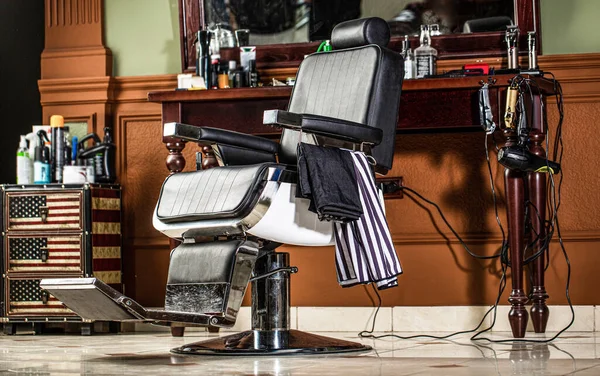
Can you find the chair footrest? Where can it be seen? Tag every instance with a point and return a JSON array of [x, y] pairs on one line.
[[92, 299]]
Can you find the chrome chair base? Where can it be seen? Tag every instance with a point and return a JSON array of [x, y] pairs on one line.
[[256, 342]]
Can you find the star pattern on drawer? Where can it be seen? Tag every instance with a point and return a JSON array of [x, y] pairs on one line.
[[25, 290], [26, 248], [26, 206]]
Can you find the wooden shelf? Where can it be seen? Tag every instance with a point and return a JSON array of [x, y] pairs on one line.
[[433, 104]]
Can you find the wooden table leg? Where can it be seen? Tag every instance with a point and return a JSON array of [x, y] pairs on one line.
[[539, 309], [537, 196], [175, 159], [515, 199]]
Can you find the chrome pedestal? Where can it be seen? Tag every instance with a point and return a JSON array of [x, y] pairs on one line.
[[271, 333]]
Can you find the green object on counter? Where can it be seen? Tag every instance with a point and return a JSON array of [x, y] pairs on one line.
[[325, 46]]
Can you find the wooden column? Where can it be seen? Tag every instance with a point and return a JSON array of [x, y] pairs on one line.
[[74, 43], [76, 67]]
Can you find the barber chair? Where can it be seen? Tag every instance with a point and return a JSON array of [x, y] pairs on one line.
[[345, 98]]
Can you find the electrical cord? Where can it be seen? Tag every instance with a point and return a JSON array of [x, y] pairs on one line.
[[439, 210], [550, 227], [503, 252]]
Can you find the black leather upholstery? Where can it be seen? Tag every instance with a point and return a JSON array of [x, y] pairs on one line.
[[339, 129], [360, 32], [210, 135], [360, 85], [342, 129], [225, 192], [205, 262], [236, 156], [209, 278]]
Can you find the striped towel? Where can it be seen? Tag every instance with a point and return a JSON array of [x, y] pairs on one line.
[[364, 251]]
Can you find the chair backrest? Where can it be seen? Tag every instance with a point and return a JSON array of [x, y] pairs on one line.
[[359, 81]]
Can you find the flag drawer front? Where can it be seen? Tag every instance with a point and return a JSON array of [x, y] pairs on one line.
[[35, 211], [44, 253], [25, 298]]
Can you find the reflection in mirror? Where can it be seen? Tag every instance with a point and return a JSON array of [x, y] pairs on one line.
[[293, 21]]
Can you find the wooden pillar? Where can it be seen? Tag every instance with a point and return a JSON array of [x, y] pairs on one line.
[[76, 66]]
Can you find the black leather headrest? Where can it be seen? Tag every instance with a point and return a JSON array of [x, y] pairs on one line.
[[360, 32]]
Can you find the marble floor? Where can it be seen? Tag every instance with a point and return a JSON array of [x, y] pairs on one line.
[[148, 354]]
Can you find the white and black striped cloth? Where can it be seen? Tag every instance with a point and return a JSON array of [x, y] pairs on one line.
[[364, 251]]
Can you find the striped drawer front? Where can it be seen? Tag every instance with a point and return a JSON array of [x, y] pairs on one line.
[[44, 254], [44, 211], [106, 236], [25, 298]]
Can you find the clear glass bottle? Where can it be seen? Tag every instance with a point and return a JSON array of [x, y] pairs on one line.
[[410, 67], [425, 55]]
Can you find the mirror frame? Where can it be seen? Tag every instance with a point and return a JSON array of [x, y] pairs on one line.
[[452, 46]]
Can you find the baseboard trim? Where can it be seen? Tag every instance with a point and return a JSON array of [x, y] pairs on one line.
[[411, 319]]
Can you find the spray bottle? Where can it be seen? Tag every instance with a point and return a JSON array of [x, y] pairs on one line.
[[42, 173], [24, 163], [57, 154]]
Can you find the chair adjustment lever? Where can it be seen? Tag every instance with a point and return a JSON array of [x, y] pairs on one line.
[[289, 269]]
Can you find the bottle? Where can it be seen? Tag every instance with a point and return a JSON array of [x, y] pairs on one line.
[[203, 66], [100, 156], [67, 151], [253, 74], [24, 163], [42, 173], [409, 59], [425, 55], [231, 72], [57, 155], [224, 75], [214, 72]]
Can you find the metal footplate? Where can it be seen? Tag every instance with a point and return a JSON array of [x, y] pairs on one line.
[[92, 299], [205, 287]]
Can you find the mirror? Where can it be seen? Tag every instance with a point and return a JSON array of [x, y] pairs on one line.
[[294, 21], [286, 30]]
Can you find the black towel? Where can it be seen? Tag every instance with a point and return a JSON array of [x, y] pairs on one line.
[[326, 176]]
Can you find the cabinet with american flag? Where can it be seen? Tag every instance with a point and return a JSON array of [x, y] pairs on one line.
[[56, 230]]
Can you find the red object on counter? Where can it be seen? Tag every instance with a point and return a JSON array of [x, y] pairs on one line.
[[483, 66]]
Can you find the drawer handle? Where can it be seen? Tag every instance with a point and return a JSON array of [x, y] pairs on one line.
[[45, 297], [44, 213], [44, 254]]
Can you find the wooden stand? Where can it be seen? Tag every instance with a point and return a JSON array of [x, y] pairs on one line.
[[517, 196]]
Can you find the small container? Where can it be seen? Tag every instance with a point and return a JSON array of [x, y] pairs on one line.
[[232, 68], [223, 81], [76, 175]]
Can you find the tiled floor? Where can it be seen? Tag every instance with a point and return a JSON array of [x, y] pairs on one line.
[[148, 354]]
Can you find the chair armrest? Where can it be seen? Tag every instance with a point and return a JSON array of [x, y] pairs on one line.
[[324, 126], [208, 135]]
